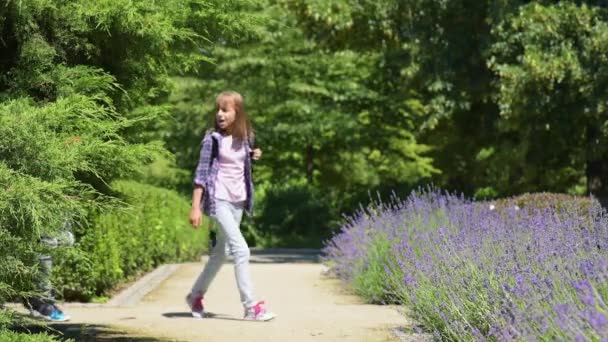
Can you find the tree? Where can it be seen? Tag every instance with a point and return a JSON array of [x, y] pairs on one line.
[[456, 55], [319, 120], [551, 63], [433, 51]]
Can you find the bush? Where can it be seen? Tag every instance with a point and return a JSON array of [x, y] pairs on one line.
[[291, 215], [471, 273], [127, 242], [81, 87], [369, 280], [17, 328], [543, 200], [10, 336]]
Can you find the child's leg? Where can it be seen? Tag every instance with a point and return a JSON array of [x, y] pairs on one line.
[[215, 262], [43, 303], [229, 219], [44, 282], [64, 238]]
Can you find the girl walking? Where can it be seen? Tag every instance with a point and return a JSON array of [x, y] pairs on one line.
[[223, 188]]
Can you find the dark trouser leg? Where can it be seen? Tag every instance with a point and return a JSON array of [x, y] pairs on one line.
[[44, 282], [44, 302]]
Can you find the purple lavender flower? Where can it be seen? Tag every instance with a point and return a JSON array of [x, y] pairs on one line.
[[598, 321], [471, 273]]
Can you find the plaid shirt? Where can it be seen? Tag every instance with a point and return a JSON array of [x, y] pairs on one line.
[[206, 174]]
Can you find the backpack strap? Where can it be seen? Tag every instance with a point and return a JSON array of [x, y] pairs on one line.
[[215, 150], [251, 140]]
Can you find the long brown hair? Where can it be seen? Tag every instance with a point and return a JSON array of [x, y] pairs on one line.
[[242, 126]]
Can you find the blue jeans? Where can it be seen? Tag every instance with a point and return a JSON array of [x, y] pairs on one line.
[[229, 239], [44, 301]]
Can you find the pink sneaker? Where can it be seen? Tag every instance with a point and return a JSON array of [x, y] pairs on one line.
[[258, 312], [195, 302]]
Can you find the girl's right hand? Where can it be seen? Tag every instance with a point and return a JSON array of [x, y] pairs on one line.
[[256, 154], [196, 217]]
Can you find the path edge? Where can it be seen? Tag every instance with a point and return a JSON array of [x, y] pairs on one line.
[[133, 294]]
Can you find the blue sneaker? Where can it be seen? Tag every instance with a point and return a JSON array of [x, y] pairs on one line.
[[57, 316], [51, 313]]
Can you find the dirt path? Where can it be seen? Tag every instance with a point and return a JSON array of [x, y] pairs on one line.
[[310, 306]]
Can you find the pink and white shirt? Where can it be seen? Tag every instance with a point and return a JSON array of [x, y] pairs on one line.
[[230, 181]]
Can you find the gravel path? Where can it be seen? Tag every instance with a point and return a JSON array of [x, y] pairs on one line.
[[311, 307]]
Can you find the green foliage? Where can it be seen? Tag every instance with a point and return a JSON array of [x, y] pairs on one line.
[[321, 117], [138, 42], [163, 172], [511, 93], [9, 320], [23, 219], [551, 92], [192, 105], [82, 84], [370, 281], [74, 137], [293, 215], [349, 98], [128, 241], [56, 158], [319, 111], [9, 336]]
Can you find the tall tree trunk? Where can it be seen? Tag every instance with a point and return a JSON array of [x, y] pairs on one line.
[[309, 163], [597, 165]]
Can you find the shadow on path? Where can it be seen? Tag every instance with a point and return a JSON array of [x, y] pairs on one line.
[[284, 255], [208, 315], [83, 332], [281, 256]]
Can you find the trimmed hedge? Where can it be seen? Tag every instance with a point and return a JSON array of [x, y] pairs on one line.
[[126, 242]]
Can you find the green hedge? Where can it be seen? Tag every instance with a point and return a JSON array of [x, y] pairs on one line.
[[126, 242]]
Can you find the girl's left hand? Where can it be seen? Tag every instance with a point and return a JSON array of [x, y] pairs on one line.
[[256, 154]]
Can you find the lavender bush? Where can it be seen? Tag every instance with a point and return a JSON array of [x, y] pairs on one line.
[[471, 271]]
